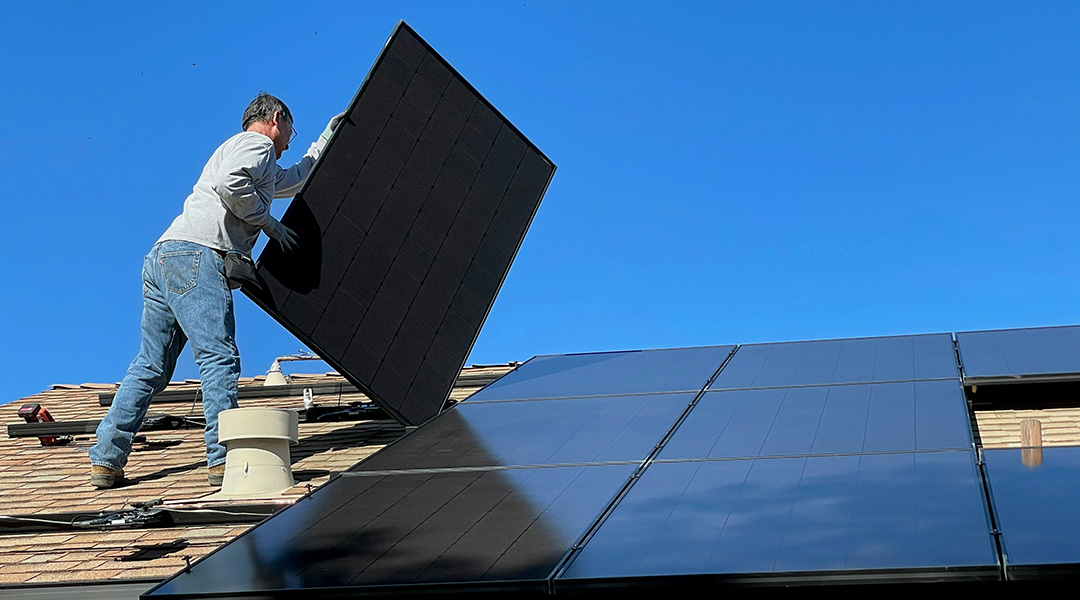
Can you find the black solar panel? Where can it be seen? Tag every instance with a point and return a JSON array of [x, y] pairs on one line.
[[815, 462], [884, 417], [570, 430], [859, 360], [505, 529], [608, 373], [1010, 355], [408, 226], [1037, 503], [850, 517]]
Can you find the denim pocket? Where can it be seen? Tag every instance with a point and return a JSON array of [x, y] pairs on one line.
[[181, 270]]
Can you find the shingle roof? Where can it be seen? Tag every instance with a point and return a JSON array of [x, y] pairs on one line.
[[44, 480]]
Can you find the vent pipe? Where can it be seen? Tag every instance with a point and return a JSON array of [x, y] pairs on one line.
[[275, 377], [257, 461]]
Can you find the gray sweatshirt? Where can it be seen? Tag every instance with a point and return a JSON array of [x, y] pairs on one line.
[[230, 204]]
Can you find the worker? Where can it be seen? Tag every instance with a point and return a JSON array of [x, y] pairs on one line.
[[186, 291]]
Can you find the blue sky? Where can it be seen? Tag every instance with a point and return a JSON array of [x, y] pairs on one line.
[[729, 172]]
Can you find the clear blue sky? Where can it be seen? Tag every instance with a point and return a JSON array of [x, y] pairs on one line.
[[729, 172]]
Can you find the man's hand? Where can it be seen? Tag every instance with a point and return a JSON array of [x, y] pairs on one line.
[[333, 124], [285, 237]]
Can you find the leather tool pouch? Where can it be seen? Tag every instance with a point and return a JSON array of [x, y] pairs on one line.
[[240, 271]]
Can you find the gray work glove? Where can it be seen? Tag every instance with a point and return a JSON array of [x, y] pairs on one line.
[[332, 125], [285, 237]]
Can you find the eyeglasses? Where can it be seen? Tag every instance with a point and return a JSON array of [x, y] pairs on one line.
[[282, 118]]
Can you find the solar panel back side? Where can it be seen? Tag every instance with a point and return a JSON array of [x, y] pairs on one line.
[[408, 226]]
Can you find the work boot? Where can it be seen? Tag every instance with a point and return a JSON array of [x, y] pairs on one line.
[[104, 477], [216, 475]]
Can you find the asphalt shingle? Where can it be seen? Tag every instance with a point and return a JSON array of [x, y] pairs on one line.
[[43, 480]]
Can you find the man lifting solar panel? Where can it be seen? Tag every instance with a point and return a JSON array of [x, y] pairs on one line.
[[819, 462]]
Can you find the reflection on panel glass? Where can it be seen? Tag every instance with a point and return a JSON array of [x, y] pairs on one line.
[[635, 372], [1037, 502], [863, 360], [926, 415], [1011, 353], [890, 511], [509, 525], [574, 430]]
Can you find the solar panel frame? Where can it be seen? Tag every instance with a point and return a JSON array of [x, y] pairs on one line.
[[1026, 355], [404, 341]]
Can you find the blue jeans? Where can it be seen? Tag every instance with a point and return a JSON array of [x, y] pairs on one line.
[[185, 297]]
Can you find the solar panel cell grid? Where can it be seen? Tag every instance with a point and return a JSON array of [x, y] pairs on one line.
[[374, 108], [393, 68], [408, 47], [419, 171], [408, 351], [531, 173], [357, 139], [337, 325], [336, 180], [335, 264], [304, 312], [427, 377], [430, 153]]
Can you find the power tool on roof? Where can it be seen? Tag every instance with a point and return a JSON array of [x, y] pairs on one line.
[[35, 413]]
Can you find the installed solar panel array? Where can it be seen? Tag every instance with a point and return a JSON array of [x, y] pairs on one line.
[[847, 460], [493, 494], [407, 226]]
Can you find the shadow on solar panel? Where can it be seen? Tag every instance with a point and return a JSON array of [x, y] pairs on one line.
[[408, 226]]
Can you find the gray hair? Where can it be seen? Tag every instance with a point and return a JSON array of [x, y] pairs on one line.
[[262, 108]]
